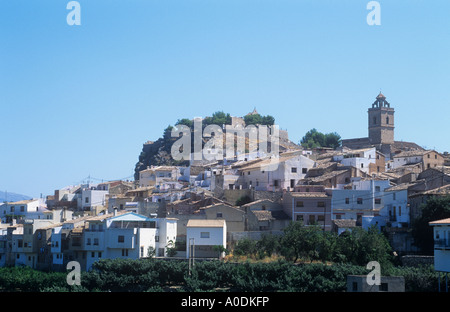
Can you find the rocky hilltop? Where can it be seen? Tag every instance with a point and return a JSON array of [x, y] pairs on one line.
[[157, 153]]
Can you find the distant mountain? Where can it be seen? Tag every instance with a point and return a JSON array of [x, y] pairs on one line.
[[12, 197]]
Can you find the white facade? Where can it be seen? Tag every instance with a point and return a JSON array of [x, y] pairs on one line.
[[360, 159], [30, 209], [406, 160], [91, 198], [280, 174], [366, 198], [156, 175], [441, 232], [205, 233], [128, 235], [55, 249]]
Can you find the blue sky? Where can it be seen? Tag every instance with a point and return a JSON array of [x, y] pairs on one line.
[[81, 100]]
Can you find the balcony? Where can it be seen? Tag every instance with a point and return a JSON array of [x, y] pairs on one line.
[[441, 244]]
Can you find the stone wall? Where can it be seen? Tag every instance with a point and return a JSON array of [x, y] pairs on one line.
[[416, 260]]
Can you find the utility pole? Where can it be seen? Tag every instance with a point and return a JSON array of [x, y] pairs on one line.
[[191, 254]]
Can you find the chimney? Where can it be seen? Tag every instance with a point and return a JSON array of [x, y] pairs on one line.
[[115, 211]]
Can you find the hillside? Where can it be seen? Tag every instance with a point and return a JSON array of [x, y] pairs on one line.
[[12, 197], [157, 153]]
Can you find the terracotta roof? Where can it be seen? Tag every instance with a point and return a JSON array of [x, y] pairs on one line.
[[267, 215], [308, 195], [205, 223], [344, 223], [440, 222], [412, 153]]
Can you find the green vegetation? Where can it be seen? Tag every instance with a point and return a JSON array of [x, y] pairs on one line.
[[257, 119], [243, 200], [314, 138], [311, 243], [436, 208], [126, 275]]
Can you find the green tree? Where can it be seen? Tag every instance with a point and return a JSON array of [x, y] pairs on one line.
[[361, 246], [301, 241], [218, 118], [314, 138], [186, 122], [268, 245], [436, 208], [257, 119], [243, 200]]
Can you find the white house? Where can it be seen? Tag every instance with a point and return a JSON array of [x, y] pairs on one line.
[[441, 234], [365, 198], [155, 175], [360, 159], [202, 235], [30, 209], [127, 235], [275, 174], [90, 198]]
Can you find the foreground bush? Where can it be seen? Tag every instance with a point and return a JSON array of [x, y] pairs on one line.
[[126, 275]]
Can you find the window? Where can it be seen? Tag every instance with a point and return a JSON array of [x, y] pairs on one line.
[[96, 241], [387, 120], [275, 182], [99, 254], [321, 218], [86, 200], [428, 155], [312, 219], [338, 217], [20, 243], [299, 218], [292, 183], [347, 200], [124, 252], [377, 189], [12, 208], [120, 239], [377, 201], [320, 204], [359, 201], [393, 196], [219, 215], [156, 238], [293, 170], [304, 170], [435, 156], [88, 241], [92, 254], [204, 234], [248, 173], [362, 165], [374, 120], [299, 204], [399, 210], [22, 208]]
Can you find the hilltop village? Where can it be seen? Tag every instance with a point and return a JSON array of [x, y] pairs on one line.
[[186, 210]]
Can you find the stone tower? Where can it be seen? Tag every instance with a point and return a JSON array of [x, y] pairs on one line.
[[381, 122]]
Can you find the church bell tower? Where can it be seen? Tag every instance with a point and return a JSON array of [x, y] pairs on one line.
[[381, 121]]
